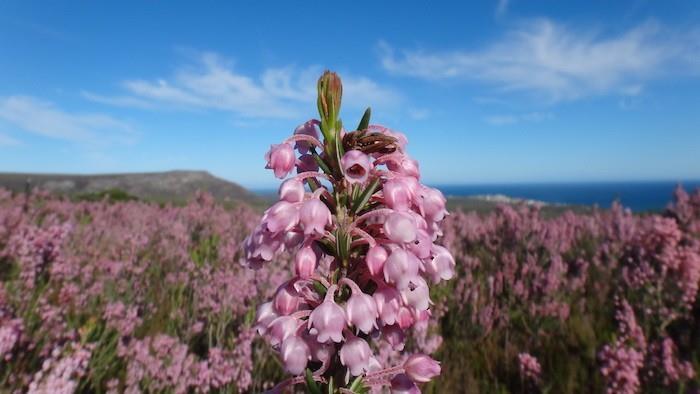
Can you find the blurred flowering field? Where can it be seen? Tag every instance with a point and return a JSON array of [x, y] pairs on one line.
[[139, 297]]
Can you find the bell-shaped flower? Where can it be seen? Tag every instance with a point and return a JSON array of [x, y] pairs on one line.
[[405, 166], [400, 268], [441, 266], [306, 163], [286, 300], [420, 368], [281, 159], [321, 352], [432, 204], [401, 384], [281, 217], [305, 262], [400, 227], [376, 257], [282, 328], [422, 245], [355, 355], [398, 194], [295, 355], [361, 309], [388, 301], [395, 336], [264, 316], [262, 246], [405, 318], [417, 294], [307, 128], [356, 166], [292, 190], [328, 319], [314, 216]]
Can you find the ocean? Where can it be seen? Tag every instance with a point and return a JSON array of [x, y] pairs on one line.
[[638, 196]]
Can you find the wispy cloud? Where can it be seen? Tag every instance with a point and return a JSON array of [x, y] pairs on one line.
[[510, 119], [43, 118], [557, 62], [6, 140], [215, 84], [502, 7]]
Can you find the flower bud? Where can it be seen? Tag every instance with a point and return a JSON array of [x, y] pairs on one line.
[[330, 93], [292, 190], [421, 368], [305, 262], [328, 319], [286, 299], [281, 159], [355, 355], [400, 227], [314, 216], [376, 256], [295, 355], [356, 166]]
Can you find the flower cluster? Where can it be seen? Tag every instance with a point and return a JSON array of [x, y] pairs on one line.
[[362, 229]]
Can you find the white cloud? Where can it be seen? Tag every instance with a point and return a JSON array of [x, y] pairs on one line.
[[39, 117], [556, 62], [215, 84], [509, 119]]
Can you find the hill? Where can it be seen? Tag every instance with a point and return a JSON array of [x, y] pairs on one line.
[[176, 186]]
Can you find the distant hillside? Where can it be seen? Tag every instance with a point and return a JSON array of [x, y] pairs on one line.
[[159, 186]]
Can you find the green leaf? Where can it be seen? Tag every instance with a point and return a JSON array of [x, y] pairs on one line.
[[322, 164], [339, 151], [311, 383], [320, 288], [364, 197], [357, 385], [364, 122], [342, 244]]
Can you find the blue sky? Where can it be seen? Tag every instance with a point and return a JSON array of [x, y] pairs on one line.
[[487, 92]]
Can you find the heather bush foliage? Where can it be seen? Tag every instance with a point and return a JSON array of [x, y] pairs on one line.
[[135, 297]]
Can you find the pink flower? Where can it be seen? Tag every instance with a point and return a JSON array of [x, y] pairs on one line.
[[400, 227], [432, 204], [376, 256], [280, 158], [417, 294], [355, 355], [401, 384], [441, 266], [305, 262], [281, 217], [307, 128], [400, 268], [421, 368], [286, 299], [314, 216], [328, 318], [398, 194], [395, 336], [295, 355], [282, 328], [356, 166], [405, 166], [360, 308], [388, 301], [292, 190]]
